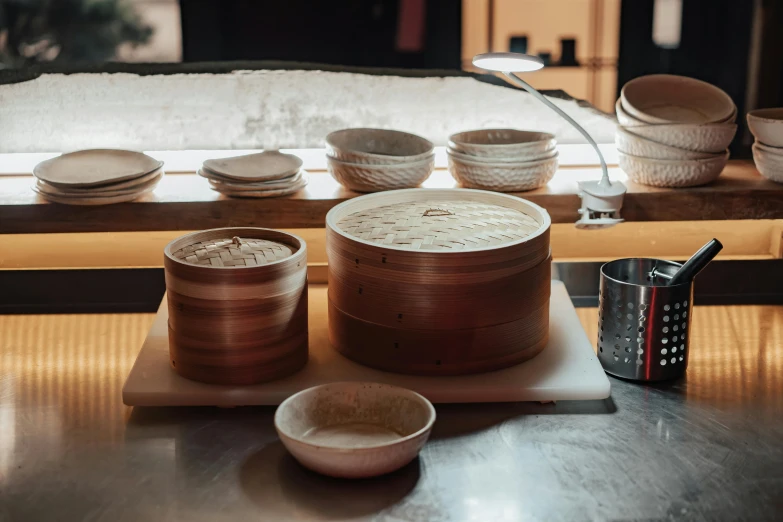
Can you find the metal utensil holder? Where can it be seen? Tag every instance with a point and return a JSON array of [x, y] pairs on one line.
[[643, 325]]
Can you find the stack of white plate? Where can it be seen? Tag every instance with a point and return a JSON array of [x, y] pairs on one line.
[[97, 177], [504, 160], [674, 131], [767, 127], [372, 160], [264, 175]]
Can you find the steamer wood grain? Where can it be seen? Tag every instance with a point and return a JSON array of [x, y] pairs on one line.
[[239, 316], [438, 281]]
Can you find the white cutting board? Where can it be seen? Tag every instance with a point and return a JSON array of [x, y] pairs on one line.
[[567, 369]]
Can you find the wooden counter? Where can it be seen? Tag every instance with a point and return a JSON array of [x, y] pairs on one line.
[[185, 202]]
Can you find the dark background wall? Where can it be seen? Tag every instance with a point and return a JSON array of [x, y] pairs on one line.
[[357, 32]]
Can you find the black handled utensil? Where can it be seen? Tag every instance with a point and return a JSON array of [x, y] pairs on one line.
[[696, 263]]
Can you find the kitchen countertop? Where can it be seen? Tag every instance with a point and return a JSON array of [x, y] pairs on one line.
[[706, 447]]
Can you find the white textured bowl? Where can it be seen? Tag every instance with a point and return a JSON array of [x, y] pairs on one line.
[[666, 98], [775, 151], [354, 429], [503, 144], [731, 119], [637, 146], [672, 173], [514, 159], [377, 146], [375, 178], [767, 126], [769, 164], [712, 137], [503, 177], [625, 119]]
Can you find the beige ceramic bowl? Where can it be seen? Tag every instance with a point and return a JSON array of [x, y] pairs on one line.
[[712, 137], [480, 159], [767, 126], [502, 144], [377, 147], [375, 178], [666, 98], [625, 119], [769, 162], [672, 173], [503, 177], [637, 146], [354, 429]]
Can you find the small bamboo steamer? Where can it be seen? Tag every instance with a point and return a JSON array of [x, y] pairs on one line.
[[237, 300], [438, 281]]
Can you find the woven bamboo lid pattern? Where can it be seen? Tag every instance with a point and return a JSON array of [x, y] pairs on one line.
[[440, 225], [233, 252]]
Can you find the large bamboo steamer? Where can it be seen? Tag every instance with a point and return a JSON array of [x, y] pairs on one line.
[[237, 300], [438, 281], [439, 352]]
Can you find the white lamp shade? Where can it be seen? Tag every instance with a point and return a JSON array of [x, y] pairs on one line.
[[508, 62]]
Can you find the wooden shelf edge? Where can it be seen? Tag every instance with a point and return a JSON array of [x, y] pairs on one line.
[[185, 202]]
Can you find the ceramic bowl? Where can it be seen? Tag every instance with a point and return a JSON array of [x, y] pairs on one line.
[[768, 162], [481, 159], [500, 144], [666, 98], [377, 147], [503, 177], [672, 173], [775, 151], [767, 126], [730, 119], [637, 146], [354, 429], [625, 119], [713, 137], [374, 178]]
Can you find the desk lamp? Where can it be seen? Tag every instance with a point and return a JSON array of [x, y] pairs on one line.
[[601, 200]]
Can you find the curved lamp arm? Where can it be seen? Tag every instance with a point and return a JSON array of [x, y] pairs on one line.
[[540, 97]]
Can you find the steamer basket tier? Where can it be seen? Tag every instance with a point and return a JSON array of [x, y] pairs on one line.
[[438, 281], [237, 301]]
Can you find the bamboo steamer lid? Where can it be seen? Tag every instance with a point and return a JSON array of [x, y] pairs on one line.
[[234, 251], [237, 302], [422, 264]]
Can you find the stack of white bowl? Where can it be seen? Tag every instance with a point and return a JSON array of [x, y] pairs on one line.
[[766, 125], [372, 160], [674, 131], [504, 160]]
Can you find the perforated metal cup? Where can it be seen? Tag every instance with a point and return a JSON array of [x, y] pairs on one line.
[[642, 323]]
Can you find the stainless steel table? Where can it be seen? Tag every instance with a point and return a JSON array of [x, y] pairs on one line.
[[708, 447]]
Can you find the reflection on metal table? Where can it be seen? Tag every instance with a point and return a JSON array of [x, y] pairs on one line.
[[705, 447]]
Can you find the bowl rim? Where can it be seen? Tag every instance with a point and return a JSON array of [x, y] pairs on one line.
[[769, 150], [631, 136], [508, 164], [764, 115], [661, 126], [456, 139], [386, 166], [397, 389], [630, 108], [358, 130], [721, 157]]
